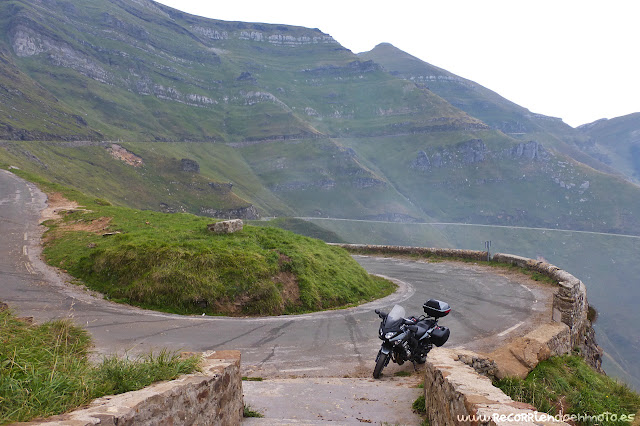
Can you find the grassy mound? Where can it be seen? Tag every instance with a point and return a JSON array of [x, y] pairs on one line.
[[45, 369], [566, 384], [172, 263]]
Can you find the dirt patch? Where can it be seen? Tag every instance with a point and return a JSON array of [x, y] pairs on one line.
[[290, 289], [120, 153], [97, 226], [56, 204]]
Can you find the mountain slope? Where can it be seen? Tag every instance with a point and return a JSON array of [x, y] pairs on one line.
[[289, 123], [484, 104], [142, 70], [615, 142]]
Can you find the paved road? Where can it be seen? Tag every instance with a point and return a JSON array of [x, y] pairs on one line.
[[330, 343]]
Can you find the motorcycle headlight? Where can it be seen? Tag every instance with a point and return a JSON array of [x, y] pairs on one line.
[[389, 335]]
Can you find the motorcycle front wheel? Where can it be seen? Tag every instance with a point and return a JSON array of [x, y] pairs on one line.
[[381, 361]]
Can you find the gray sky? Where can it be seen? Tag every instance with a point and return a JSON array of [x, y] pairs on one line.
[[578, 60]]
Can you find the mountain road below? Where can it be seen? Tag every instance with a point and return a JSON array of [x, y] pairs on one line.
[[488, 307]]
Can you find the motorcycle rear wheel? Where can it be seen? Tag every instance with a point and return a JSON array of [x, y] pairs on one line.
[[382, 360]]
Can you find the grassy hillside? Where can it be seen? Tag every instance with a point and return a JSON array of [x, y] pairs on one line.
[[492, 181], [296, 123], [566, 385], [302, 227], [171, 262], [479, 177], [158, 182]]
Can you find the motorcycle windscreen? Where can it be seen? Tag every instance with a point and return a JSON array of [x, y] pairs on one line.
[[394, 319]]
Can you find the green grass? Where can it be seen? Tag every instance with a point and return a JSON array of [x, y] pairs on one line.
[[250, 412], [45, 370], [419, 405], [567, 383], [172, 263]]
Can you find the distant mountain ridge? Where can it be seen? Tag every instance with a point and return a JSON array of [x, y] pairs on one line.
[[484, 104], [160, 64], [615, 142], [281, 120]]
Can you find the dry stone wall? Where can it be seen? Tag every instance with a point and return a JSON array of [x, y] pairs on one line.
[[458, 383], [422, 251], [570, 306], [211, 397], [455, 394]]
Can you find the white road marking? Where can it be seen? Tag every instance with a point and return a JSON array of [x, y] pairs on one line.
[[535, 300], [25, 236], [24, 251], [510, 329], [296, 370]]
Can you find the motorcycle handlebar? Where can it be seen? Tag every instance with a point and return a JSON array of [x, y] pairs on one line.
[[380, 313]]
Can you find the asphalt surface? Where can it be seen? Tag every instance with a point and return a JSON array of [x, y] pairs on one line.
[[484, 304], [486, 309]]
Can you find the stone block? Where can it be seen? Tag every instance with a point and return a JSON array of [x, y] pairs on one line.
[[226, 226], [519, 357]]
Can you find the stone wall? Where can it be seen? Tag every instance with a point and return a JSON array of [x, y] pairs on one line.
[[458, 383], [570, 305], [422, 251], [210, 397], [455, 394]]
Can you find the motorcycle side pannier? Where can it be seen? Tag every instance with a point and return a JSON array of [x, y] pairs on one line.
[[440, 335], [436, 308]]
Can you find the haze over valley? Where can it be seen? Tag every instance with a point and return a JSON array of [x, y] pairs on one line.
[[152, 108]]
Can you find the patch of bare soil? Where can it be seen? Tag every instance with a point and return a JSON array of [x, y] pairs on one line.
[[290, 289], [56, 204], [97, 226], [120, 153]]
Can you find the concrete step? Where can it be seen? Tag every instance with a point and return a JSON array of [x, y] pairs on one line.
[[311, 401]]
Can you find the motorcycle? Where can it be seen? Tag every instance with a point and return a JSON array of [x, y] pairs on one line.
[[410, 339]]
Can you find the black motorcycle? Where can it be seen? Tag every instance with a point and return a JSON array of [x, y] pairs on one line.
[[410, 339]]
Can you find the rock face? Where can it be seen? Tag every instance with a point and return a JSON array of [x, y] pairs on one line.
[[226, 227], [464, 153], [531, 150], [190, 166], [223, 188]]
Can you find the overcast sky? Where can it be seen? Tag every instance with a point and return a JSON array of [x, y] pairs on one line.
[[578, 60]]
